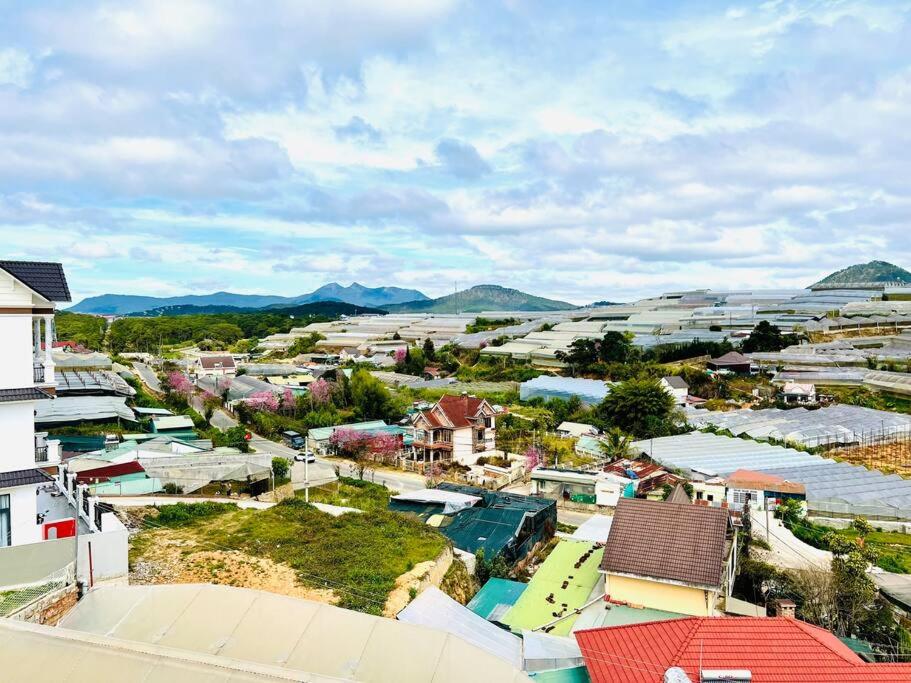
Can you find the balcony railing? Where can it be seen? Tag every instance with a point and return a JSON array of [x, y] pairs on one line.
[[40, 452], [38, 371]]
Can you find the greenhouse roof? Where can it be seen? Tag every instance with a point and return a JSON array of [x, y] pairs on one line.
[[838, 424]]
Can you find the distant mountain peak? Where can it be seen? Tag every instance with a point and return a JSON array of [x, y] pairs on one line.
[[878, 272], [484, 297], [355, 294]]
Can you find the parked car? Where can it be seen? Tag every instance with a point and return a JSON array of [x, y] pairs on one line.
[[307, 456], [293, 439]]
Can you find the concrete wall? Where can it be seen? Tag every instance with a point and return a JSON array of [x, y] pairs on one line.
[[17, 425], [462, 447], [24, 565], [109, 552], [50, 608], [663, 596]]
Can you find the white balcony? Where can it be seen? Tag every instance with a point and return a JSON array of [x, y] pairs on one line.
[[47, 451]]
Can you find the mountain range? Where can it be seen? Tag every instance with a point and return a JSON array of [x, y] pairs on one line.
[[874, 271], [481, 298], [356, 294]]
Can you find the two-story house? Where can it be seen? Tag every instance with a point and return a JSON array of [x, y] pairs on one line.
[[672, 556], [459, 428], [28, 293]]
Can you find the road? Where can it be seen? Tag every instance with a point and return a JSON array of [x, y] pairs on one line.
[[787, 551], [148, 376]]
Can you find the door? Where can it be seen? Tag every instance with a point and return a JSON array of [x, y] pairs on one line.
[[5, 522]]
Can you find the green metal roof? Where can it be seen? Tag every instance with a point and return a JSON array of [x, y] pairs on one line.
[[533, 610], [575, 674], [495, 598], [129, 487], [324, 433]]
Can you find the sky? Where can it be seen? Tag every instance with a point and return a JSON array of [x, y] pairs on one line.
[[578, 150]]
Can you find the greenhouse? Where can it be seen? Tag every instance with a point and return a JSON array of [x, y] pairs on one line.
[[590, 391], [833, 488], [837, 425]]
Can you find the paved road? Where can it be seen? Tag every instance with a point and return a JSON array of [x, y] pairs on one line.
[[787, 551], [572, 516], [148, 376]]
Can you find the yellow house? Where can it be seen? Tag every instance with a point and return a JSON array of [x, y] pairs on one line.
[[671, 556]]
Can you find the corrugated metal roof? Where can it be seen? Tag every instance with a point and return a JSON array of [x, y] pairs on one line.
[[295, 635]]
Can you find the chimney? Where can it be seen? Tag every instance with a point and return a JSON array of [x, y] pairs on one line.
[[784, 608]]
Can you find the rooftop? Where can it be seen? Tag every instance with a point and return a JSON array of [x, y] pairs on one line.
[[667, 541], [774, 650], [47, 279]]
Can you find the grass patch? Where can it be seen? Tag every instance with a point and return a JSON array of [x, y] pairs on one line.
[[353, 493], [893, 548], [183, 514], [358, 555]]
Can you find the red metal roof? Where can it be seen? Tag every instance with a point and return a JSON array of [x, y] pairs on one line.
[[774, 650], [100, 474], [456, 411]]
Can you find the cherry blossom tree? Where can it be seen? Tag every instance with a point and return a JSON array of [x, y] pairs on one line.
[[179, 383], [263, 400], [400, 355], [320, 391], [533, 458]]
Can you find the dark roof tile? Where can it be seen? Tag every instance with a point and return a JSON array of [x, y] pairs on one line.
[[23, 478], [23, 394], [671, 541], [45, 278]]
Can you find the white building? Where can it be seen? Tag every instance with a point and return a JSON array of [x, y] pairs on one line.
[[794, 393], [215, 366], [28, 292], [676, 387]]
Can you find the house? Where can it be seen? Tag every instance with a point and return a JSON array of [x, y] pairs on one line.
[[757, 649], [677, 557], [507, 525], [29, 292], [794, 393], [596, 488], [215, 366], [733, 362], [711, 491], [650, 478], [677, 387], [576, 429], [761, 490], [178, 426], [459, 428]]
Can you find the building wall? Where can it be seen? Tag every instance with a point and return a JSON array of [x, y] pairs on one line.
[[16, 351], [23, 514], [17, 425], [462, 449], [664, 596]]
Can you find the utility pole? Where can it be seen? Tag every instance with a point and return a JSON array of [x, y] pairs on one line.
[[306, 475], [766, 505]]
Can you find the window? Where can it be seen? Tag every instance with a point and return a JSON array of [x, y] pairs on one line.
[[5, 525]]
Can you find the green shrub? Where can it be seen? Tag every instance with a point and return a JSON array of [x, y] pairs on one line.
[[182, 514]]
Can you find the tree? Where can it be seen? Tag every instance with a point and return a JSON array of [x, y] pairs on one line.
[[263, 400], [210, 403], [320, 392], [767, 337], [855, 591], [430, 352], [863, 529], [640, 407], [533, 458], [614, 347], [616, 445], [280, 468], [487, 569], [364, 448], [305, 344], [371, 400]]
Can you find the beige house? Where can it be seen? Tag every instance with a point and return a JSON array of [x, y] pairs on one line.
[[460, 428], [671, 556]]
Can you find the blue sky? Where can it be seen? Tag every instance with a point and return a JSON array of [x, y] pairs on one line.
[[579, 150]]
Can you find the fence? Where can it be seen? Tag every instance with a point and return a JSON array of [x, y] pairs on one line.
[[16, 600]]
